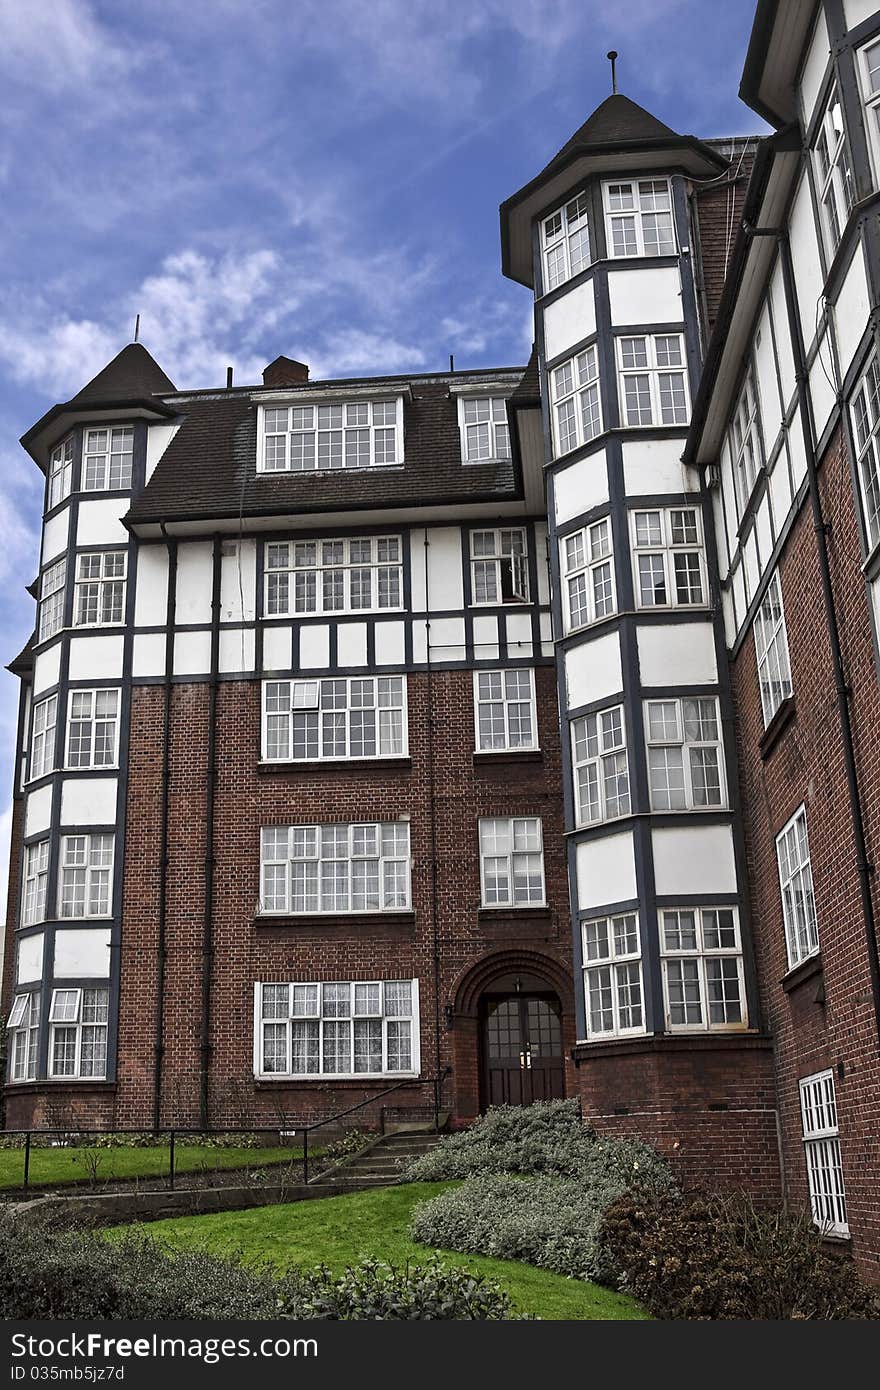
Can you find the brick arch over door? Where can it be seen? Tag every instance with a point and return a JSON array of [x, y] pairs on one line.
[[466, 995]]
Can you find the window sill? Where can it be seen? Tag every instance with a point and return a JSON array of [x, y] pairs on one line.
[[263, 1080], [336, 765], [68, 1083], [330, 472], [345, 920], [803, 972], [498, 757], [537, 912], [778, 724]]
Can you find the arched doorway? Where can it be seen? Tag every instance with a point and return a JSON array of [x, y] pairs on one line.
[[521, 1051]]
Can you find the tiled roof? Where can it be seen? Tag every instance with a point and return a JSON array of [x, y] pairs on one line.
[[133, 373], [617, 121], [209, 470]]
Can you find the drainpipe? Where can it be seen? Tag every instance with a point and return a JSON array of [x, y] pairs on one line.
[[842, 689], [210, 788], [434, 923], [162, 912]]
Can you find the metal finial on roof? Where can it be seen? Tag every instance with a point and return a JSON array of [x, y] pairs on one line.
[[137, 327], [612, 58]]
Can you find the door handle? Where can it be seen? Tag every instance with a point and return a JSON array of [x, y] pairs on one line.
[[525, 1059]]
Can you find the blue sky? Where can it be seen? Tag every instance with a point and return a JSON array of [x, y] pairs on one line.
[[257, 177]]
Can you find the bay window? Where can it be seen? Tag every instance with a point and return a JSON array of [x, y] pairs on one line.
[[702, 968], [684, 754], [612, 970], [78, 1032], [588, 575]]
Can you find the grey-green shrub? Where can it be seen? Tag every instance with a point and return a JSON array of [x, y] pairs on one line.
[[546, 1138]]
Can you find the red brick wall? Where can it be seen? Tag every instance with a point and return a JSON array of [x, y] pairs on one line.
[[806, 765], [718, 210]]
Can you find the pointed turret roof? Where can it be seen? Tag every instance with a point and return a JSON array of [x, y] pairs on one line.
[[132, 374], [618, 121]]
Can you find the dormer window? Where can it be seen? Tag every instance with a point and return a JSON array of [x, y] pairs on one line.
[[565, 242], [485, 435], [308, 438], [638, 218]]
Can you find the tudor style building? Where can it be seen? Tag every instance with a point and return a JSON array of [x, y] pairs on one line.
[[503, 734]]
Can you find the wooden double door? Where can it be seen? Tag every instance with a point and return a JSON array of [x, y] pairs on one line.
[[522, 1049]]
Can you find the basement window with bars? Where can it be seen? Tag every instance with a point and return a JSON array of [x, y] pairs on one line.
[[822, 1153], [512, 861], [78, 1032], [485, 434], [335, 868], [51, 616], [577, 410], [668, 558], [352, 574], [565, 242], [305, 720], [587, 575], [43, 733], [499, 566], [340, 1028], [653, 380], [865, 412], [86, 875], [504, 710], [796, 887], [685, 759], [702, 968], [107, 459], [60, 473], [99, 594], [833, 169], [23, 1036], [36, 882], [601, 772], [771, 650], [612, 975], [638, 218], [93, 728], [336, 435], [744, 443]]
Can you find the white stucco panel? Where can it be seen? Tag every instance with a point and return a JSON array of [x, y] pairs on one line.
[[277, 648], [650, 295], [192, 653], [158, 439], [88, 801], [580, 487], [767, 381], [29, 959], [445, 584], [237, 580], [569, 319], [822, 390], [593, 670], [55, 533], [486, 638], [780, 490], [92, 658], [680, 653], [852, 309], [818, 54], [151, 596], [99, 521], [314, 646], [351, 644], [390, 644], [38, 810], [47, 666], [447, 639], [148, 654], [606, 871], [696, 859], [805, 254], [236, 649], [519, 634], [652, 466], [195, 572], [82, 953]]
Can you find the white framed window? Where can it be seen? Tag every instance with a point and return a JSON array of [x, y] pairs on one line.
[[577, 409], [868, 60], [653, 379], [78, 1032], [361, 717], [601, 772], [335, 868], [565, 242], [771, 650], [701, 957], [93, 728], [60, 472], [505, 715], [44, 722], [668, 558], [822, 1153], [23, 1031], [638, 218], [485, 434], [511, 861], [865, 411], [796, 887], [51, 617], [744, 439], [342, 1028], [834, 180], [588, 575], [352, 574], [685, 762], [107, 457], [499, 566], [36, 882], [338, 434], [86, 875], [613, 975], [99, 594]]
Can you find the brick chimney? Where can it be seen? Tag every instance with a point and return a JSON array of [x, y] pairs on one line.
[[285, 372]]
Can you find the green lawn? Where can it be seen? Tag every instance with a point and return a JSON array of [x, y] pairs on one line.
[[105, 1165], [337, 1231]]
